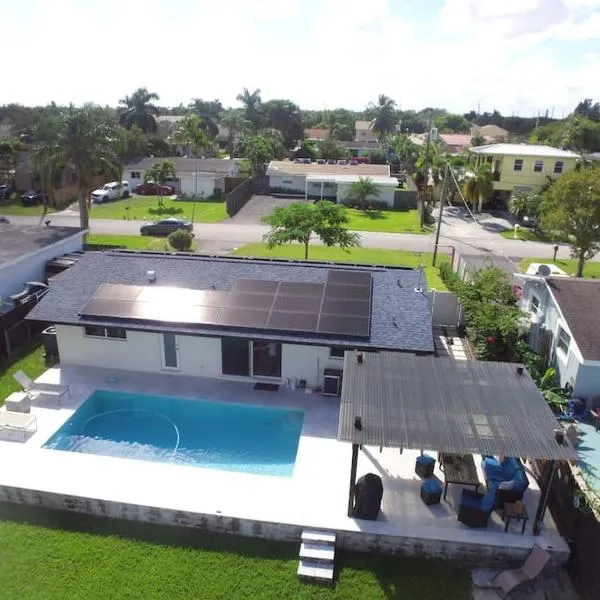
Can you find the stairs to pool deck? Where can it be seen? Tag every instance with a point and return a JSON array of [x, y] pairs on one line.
[[317, 555]]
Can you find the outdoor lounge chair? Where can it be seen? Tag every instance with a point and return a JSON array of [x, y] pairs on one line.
[[532, 568], [16, 421], [37, 390]]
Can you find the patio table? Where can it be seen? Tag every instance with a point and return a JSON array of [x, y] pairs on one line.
[[459, 468]]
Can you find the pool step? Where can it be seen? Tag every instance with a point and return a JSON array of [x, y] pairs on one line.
[[317, 554]]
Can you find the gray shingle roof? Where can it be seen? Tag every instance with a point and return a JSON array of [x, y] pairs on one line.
[[400, 318], [185, 165]]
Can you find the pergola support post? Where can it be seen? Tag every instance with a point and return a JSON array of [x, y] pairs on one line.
[[353, 467], [547, 479], [306, 188]]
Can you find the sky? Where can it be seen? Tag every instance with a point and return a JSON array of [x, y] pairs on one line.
[[516, 56]]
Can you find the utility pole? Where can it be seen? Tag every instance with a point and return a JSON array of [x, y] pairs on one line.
[[422, 207], [439, 223]]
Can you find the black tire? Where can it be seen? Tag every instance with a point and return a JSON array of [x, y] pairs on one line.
[[125, 194]]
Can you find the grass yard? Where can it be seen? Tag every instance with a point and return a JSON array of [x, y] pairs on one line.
[[392, 221], [591, 269], [14, 207], [530, 235], [29, 360], [145, 208], [132, 242], [355, 255], [86, 558]]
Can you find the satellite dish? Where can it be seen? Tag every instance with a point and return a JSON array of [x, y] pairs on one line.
[[544, 271]]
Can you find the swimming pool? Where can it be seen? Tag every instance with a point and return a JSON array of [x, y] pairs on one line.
[[215, 435]]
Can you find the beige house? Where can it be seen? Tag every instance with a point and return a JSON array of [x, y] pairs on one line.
[[493, 132], [364, 132]]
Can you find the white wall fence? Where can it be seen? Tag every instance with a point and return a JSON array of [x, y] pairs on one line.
[[445, 309]]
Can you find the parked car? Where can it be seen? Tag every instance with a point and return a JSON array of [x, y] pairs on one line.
[[153, 189], [4, 192], [4, 219], [166, 226], [527, 221], [111, 191], [31, 198]]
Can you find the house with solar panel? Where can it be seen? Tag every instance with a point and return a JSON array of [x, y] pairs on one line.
[[235, 318]]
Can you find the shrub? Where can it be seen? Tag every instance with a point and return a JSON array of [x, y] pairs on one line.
[[180, 240]]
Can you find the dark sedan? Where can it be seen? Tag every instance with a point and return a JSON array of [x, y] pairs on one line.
[[31, 198], [165, 227]]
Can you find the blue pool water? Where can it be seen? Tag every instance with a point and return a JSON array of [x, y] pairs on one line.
[[216, 435]]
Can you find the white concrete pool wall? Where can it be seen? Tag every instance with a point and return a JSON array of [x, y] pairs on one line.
[[255, 505]]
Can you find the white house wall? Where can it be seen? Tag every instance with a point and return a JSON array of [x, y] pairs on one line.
[[205, 185], [293, 183], [386, 195], [587, 381], [33, 268], [307, 362]]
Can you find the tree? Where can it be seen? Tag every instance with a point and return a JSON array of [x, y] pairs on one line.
[[258, 152], [252, 104], [235, 123], [160, 172], [274, 138], [210, 112], [587, 108], [328, 148], [9, 150], [406, 151], [181, 240], [192, 132], [524, 203], [384, 118], [299, 221], [571, 208], [138, 110], [479, 186], [362, 189], [478, 140], [307, 149], [128, 143], [450, 123], [284, 116]]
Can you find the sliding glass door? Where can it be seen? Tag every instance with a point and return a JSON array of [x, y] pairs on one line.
[[266, 359], [247, 358]]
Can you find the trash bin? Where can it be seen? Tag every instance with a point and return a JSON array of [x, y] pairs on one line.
[[50, 342]]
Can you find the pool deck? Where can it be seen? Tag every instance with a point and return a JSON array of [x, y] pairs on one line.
[[316, 496]]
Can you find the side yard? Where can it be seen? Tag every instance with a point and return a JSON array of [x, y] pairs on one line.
[[591, 269], [393, 221], [30, 360]]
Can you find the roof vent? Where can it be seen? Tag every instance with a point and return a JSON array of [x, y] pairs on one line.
[[151, 275]]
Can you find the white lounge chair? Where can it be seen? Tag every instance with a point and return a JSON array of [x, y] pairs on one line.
[[37, 390], [15, 421]]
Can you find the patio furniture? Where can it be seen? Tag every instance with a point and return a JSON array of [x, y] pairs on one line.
[[531, 570], [595, 414], [459, 468], [424, 466], [506, 478], [475, 508], [431, 491], [16, 421], [35, 390], [516, 511], [367, 497], [18, 402]]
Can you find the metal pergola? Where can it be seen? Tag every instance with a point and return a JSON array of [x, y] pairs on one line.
[[402, 401]]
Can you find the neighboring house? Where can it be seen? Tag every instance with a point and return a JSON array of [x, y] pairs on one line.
[[363, 132], [202, 177], [315, 134], [565, 327], [493, 132], [594, 156], [359, 148], [316, 180], [454, 143], [6, 127], [466, 264], [232, 318], [522, 167]]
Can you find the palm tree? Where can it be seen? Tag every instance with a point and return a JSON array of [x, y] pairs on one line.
[[252, 103], [210, 112], [479, 186], [191, 132], [236, 126], [523, 203], [159, 173], [363, 188], [138, 110], [385, 119]]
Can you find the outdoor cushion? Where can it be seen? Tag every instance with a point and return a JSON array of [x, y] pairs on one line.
[[493, 469], [426, 460], [507, 485], [488, 502], [521, 481], [471, 499], [432, 486]]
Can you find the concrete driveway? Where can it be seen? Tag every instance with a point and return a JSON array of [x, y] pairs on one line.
[[258, 207]]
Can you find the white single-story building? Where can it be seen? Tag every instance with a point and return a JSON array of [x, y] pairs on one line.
[[232, 318], [318, 180], [199, 177]]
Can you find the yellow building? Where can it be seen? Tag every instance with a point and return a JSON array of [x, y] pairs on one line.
[[522, 167]]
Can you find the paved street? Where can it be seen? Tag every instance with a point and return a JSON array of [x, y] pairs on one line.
[[458, 230]]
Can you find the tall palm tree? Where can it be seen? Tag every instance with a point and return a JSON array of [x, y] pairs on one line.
[[479, 186], [236, 126], [252, 104], [385, 117], [363, 188], [138, 110], [210, 111], [160, 172], [191, 132], [524, 203]]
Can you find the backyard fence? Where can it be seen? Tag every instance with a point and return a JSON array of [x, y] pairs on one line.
[[445, 309], [239, 196]]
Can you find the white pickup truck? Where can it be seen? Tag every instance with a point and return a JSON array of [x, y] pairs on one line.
[[111, 191]]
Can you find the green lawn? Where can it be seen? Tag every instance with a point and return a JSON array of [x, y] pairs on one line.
[[591, 269], [355, 255], [145, 208], [530, 235], [14, 207], [30, 360], [132, 242], [89, 559], [393, 221]]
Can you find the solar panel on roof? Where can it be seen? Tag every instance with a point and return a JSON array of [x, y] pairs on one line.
[[255, 286], [342, 306], [247, 300], [118, 292], [292, 321], [350, 292], [293, 288], [349, 277], [306, 304], [244, 317], [344, 325], [108, 307]]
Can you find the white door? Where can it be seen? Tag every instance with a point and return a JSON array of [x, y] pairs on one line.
[[170, 352]]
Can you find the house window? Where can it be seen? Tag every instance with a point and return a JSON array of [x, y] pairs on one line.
[[538, 167], [336, 352], [534, 305], [518, 164], [287, 181], [559, 165], [564, 339], [136, 175], [113, 333]]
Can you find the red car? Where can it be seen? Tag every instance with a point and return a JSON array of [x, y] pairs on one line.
[[154, 189]]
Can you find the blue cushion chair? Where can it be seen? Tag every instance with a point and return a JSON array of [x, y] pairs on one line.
[[431, 491], [506, 478], [475, 508], [424, 466]]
